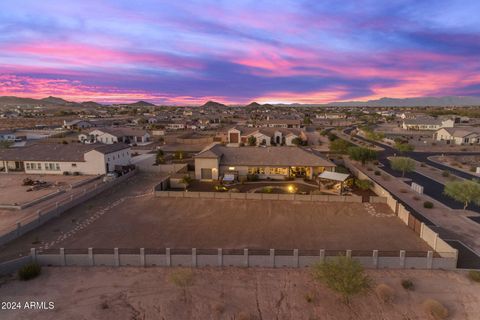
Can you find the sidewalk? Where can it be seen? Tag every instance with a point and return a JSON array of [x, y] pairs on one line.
[[455, 221]]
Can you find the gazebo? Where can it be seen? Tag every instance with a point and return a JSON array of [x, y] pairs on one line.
[[334, 176]]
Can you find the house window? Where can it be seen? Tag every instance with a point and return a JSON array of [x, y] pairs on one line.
[[27, 165]]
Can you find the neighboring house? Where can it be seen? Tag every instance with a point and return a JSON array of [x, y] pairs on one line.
[[77, 124], [114, 135], [265, 136], [331, 116], [457, 136], [7, 135], [176, 126], [91, 159], [216, 161], [427, 123], [281, 123]]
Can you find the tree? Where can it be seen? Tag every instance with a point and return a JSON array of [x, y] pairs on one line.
[[404, 147], [252, 141], [179, 155], [465, 191], [343, 275], [5, 144], [403, 164], [363, 184], [159, 159], [183, 279], [186, 180], [297, 141], [339, 146], [362, 154]]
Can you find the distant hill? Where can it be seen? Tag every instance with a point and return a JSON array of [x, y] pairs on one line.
[[55, 100], [211, 104], [413, 102], [92, 104], [141, 104], [253, 104]]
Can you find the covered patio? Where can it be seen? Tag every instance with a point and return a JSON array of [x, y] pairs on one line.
[[333, 180]]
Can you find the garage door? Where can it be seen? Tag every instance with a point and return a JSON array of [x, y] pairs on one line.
[[206, 173]]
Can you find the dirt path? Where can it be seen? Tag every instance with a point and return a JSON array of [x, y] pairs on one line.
[[134, 293]]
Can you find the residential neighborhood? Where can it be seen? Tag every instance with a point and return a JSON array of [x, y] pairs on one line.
[[240, 160]]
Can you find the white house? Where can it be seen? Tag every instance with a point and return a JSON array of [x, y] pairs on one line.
[[427, 123], [265, 136], [114, 135], [89, 159], [457, 136], [77, 124], [7, 135]]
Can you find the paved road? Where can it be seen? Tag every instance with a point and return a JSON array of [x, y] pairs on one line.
[[468, 259], [431, 187]]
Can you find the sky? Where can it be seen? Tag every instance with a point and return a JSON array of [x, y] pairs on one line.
[[237, 51]]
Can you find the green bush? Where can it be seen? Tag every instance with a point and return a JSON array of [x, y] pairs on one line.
[[407, 284], [428, 205], [446, 173], [377, 173], [29, 271], [474, 275]]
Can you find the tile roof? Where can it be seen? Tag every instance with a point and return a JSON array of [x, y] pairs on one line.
[[73, 152], [265, 156]]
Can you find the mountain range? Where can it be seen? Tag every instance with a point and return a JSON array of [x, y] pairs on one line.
[[383, 102]]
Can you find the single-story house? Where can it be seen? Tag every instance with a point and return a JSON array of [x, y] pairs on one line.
[[427, 123], [92, 159], [458, 136], [281, 123], [265, 136], [217, 160], [77, 124], [114, 135]]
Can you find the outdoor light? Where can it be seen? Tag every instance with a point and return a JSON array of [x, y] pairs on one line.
[[290, 188], [231, 168]]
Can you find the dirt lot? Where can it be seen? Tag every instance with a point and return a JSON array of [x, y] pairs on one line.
[[131, 293], [13, 191]]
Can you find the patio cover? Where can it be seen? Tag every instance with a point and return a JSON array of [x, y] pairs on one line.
[[335, 176]]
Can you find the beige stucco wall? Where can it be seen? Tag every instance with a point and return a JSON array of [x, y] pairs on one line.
[[95, 163], [206, 163]]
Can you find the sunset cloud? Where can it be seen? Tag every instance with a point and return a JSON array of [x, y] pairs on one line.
[[186, 52]]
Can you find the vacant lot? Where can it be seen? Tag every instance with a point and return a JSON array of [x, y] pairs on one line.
[[133, 293], [128, 216], [206, 223], [13, 192]]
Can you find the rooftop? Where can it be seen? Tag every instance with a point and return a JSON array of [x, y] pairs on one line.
[[265, 156]]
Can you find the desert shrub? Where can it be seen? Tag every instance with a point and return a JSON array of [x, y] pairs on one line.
[[384, 293], [435, 309], [29, 271], [473, 169], [343, 275], [416, 198], [182, 278], [407, 284], [377, 173], [422, 164], [104, 305], [445, 173], [309, 297], [428, 205], [474, 275], [219, 308]]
